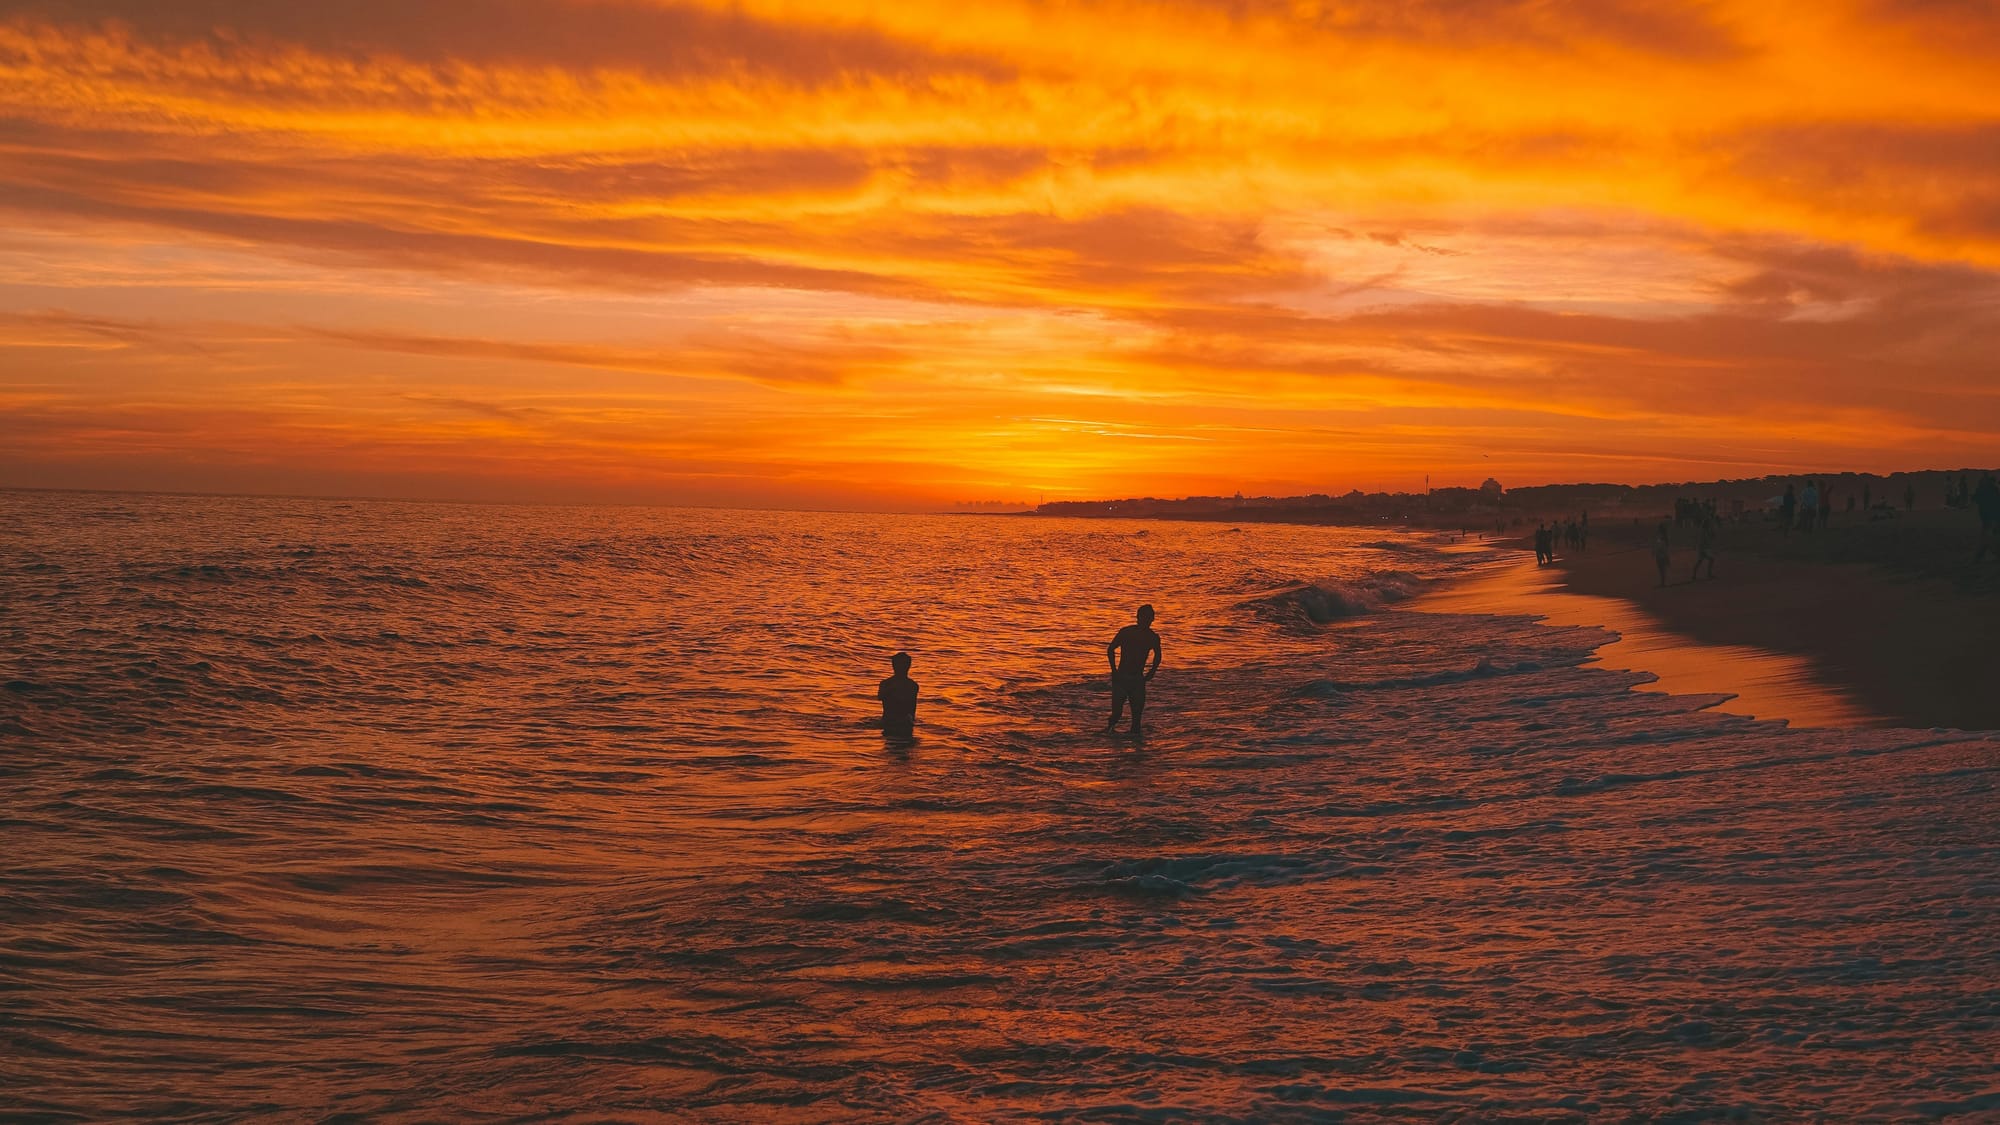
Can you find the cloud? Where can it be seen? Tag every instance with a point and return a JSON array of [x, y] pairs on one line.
[[671, 40], [1942, 181], [809, 239], [752, 360], [1662, 26]]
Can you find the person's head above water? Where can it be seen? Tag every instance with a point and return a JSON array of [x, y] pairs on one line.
[[900, 662], [1145, 615]]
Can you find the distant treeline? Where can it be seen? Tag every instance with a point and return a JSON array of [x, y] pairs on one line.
[[1929, 488]]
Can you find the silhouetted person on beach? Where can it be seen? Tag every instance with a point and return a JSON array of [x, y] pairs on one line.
[[1127, 653], [1704, 550], [1808, 506], [1826, 505], [1663, 552], [1910, 497], [1786, 509], [898, 694], [1987, 500]]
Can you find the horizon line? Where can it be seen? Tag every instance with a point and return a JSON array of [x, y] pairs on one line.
[[524, 503]]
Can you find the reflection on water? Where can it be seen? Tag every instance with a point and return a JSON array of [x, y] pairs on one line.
[[433, 812], [1755, 681]]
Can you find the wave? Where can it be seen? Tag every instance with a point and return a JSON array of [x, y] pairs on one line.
[[1313, 604]]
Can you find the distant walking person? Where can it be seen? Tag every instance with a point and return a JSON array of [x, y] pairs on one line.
[[1786, 509], [1826, 505], [1910, 497], [1127, 653], [1987, 500], [1808, 506], [898, 694], [1704, 550], [1663, 552]]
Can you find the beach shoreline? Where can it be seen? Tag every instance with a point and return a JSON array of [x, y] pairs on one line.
[[1890, 618], [1741, 679]]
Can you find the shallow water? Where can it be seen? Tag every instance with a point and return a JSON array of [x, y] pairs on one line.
[[417, 811]]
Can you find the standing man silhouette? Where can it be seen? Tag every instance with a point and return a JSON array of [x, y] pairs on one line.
[[1987, 500], [898, 694], [1127, 653]]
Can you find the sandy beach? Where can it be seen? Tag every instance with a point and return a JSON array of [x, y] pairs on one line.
[[1889, 610]]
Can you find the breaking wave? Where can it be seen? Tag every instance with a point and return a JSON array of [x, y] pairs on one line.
[[1312, 604]]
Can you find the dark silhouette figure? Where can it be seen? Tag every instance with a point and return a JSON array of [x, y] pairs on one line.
[[1910, 497], [1809, 507], [1704, 550], [1127, 653], [1867, 497], [898, 694], [1825, 504], [1786, 509], [1987, 500], [1663, 552]]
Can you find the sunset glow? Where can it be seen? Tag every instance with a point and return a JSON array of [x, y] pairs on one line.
[[799, 252]]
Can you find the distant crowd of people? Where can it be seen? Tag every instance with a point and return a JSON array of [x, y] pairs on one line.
[[1814, 509], [1986, 498], [1573, 534], [1961, 494], [1811, 508]]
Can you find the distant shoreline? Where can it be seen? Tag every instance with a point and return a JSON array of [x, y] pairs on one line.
[[1890, 612]]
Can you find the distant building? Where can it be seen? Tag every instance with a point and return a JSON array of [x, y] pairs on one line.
[[1490, 489]]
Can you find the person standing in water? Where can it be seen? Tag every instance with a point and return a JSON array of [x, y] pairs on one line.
[[898, 694], [1127, 653], [1663, 552]]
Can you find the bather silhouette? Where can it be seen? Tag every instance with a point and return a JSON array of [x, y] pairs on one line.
[[1127, 653], [898, 694], [1704, 548]]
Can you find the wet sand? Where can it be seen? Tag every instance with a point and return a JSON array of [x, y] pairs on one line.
[[1792, 626], [1747, 679]]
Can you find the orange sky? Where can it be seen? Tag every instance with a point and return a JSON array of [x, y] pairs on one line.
[[779, 252]]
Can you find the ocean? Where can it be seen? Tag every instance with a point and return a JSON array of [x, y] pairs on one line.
[[408, 811]]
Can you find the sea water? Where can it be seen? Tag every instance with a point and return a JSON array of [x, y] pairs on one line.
[[431, 811]]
